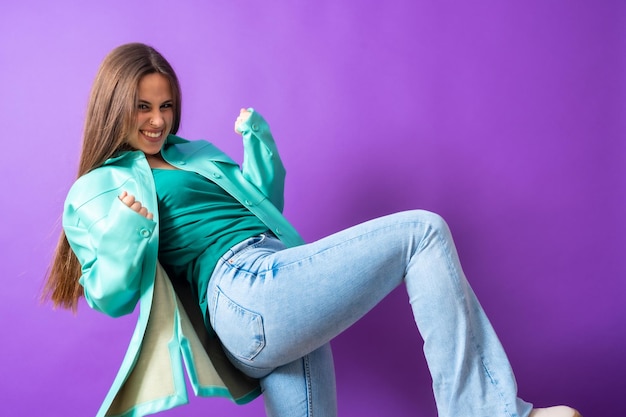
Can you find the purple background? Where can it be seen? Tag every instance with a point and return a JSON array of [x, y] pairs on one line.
[[508, 118]]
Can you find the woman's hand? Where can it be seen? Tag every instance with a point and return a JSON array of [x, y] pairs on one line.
[[135, 205], [243, 116]]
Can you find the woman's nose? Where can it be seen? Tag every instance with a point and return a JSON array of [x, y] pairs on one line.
[[156, 120]]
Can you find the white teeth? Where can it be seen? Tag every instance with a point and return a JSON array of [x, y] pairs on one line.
[[152, 134]]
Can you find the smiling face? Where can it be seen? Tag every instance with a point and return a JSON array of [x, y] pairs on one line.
[[155, 114]]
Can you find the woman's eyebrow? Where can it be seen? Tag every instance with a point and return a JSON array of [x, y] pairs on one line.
[[142, 101]]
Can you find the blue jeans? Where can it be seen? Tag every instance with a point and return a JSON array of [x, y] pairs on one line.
[[275, 310]]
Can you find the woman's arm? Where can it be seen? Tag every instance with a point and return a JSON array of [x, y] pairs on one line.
[[110, 243], [261, 166]]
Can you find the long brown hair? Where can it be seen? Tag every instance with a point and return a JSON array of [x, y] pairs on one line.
[[111, 116]]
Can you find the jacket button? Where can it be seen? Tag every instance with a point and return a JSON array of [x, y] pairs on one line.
[[216, 175], [182, 163], [255, 127], [144, 233], [278, 231], [248, 202]]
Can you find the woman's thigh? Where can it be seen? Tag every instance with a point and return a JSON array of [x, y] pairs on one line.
[[271, 305]]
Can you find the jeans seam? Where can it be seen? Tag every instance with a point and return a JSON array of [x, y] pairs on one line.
[[382, 229], [309, 388], [475, 344]]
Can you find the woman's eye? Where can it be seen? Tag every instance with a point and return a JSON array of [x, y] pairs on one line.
[[142, 107], [166, 106]]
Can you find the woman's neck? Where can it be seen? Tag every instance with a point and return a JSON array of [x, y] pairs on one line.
[[157, 161]]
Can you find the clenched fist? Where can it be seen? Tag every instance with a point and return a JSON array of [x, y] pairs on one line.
[[243, 116], [135, 205]]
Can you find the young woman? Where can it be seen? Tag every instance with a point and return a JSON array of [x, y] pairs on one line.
[[144, 194]]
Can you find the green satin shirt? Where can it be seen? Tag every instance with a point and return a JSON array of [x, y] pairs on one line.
[[198, 223]]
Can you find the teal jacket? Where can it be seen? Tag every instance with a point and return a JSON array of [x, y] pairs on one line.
[[118, 249]]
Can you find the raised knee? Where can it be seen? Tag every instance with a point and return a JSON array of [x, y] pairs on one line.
[[433, 220]]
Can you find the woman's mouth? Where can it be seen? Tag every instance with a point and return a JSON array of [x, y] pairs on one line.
[[152, 135]]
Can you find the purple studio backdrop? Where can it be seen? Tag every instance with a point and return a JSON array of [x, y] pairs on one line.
[[508, 118]]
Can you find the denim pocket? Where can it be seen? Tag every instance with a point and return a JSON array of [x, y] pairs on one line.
[[240, 330], [232, 256]]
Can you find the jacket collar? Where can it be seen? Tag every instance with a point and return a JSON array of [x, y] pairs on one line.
[[176, 152], [174, 140], [130, 155]]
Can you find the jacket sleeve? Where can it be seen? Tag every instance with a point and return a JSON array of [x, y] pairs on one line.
[[110, 247], [262, 166]]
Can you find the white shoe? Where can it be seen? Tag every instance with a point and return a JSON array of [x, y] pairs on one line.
[[558, 411]]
